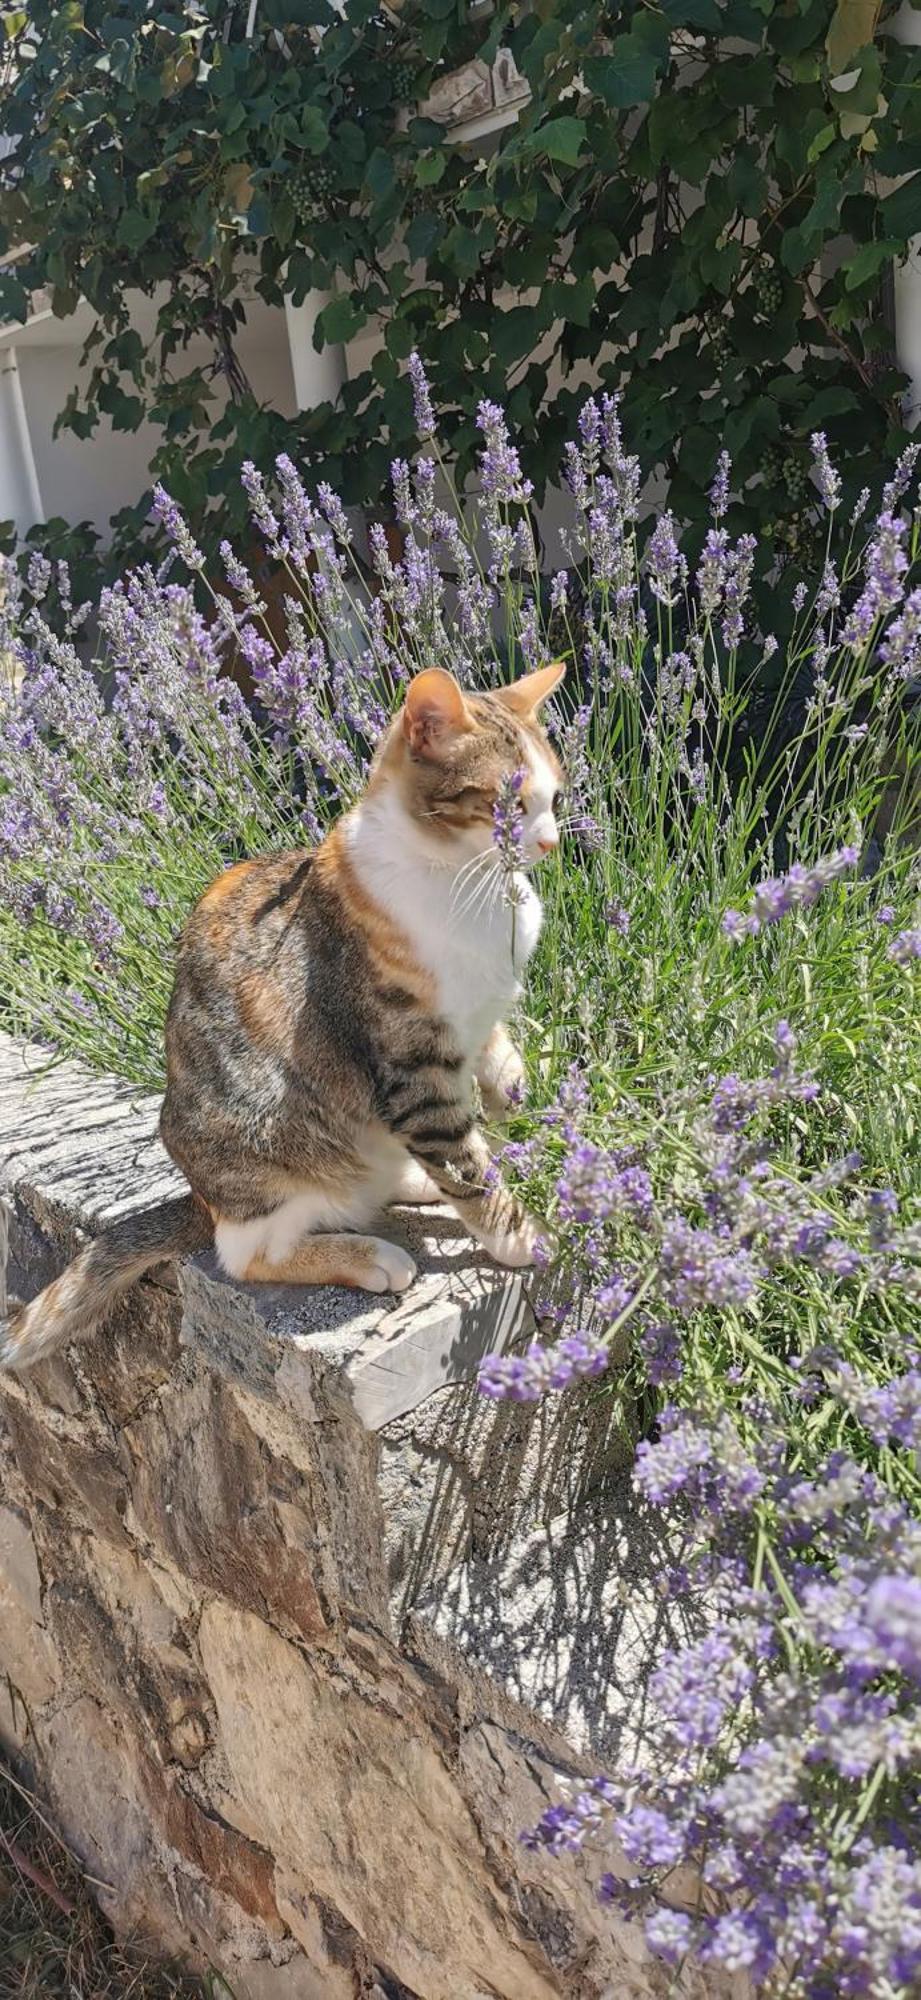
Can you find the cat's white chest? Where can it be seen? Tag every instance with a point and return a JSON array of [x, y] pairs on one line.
[[478, 958], [462, 929]]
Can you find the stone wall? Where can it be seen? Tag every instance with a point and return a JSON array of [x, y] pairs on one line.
[[220, 1523]]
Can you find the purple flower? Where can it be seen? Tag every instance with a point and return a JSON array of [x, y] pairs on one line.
[[711, 575], [564, 1828], [617, 916], [525, 1378], [736, 586], [901, 479], [595, 1185], [719, 491], [885, 565], [254, 487], [666, 565], [169, 517], [335, 512], [500, 466], [423, 413], [827, 479], [798, 889], [670, 1934], [905, 947], [508, 821], [661, 1352], [650, 1838], [900, 645]]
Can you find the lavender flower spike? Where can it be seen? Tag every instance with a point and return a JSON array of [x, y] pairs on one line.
[[422, 397], [827, 479], [719, 491], [905, 947], [170, 517]]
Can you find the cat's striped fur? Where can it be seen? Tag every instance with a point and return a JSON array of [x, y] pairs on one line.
[[330, 1013]]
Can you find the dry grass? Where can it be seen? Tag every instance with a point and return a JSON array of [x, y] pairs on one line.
[[54, 1941]]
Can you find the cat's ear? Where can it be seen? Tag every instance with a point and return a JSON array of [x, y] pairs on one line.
[[524, 696], [434, 712]]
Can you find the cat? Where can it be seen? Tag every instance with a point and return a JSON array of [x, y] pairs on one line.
[[330, 1013]]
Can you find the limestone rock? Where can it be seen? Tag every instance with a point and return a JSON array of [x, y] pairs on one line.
[[334, 1774]]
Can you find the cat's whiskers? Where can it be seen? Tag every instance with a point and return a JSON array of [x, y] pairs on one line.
[[471, 872], [487, 890]]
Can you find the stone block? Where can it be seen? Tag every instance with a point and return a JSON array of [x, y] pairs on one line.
[[28, 1660], [205, 1493], [202, 1509], [333, 1766]]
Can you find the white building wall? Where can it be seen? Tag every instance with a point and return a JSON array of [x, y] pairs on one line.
[[90, 479]]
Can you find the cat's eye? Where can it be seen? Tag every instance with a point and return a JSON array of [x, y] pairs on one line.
[[557, 801]]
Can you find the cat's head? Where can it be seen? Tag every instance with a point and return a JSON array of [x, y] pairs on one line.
[[449, 752]]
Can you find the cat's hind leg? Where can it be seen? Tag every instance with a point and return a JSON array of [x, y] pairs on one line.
[[298, 1244], [363, 1263]]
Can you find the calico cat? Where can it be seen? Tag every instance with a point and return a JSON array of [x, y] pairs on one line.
[[330, 1012]]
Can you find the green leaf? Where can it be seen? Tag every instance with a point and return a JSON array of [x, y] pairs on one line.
[[136, 227], [429, 169], [422, 235], [340, 320], [702, 14], [462, 249], [572, 303], [562, 139], [863, 94], [835, 401], [426, 132], [380, 173], [313, 129], [900, 212], [626, 77], [513, 334], [820, 143], [868, 261], [746, 184]]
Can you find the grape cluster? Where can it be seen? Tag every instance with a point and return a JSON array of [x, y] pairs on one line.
[[310, 189], [720, 344], [795, 477], [402, 82], [770, 464], [768, 289]]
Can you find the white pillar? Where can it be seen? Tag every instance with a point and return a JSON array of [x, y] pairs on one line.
[[20, 495], [318, 375], [907, 28]]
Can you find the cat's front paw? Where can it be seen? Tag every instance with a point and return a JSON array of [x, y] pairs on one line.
[[515, 1248]]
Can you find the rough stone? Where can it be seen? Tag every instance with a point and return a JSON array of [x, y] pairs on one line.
[[192, 1459], [27, 1654], [461, 1477], [206, 1513], [332, 1770], [64, 1466], [569, 1617], [238, 1867]]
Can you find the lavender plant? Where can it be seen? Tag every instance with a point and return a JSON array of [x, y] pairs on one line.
[[723, 1059]]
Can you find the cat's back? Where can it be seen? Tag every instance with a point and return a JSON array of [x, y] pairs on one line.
[[240, 974], [247, 917]]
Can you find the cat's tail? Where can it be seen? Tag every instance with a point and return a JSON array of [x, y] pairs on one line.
[[76, 1302]]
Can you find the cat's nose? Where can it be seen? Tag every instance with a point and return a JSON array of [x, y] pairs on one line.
[[548, 843]]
